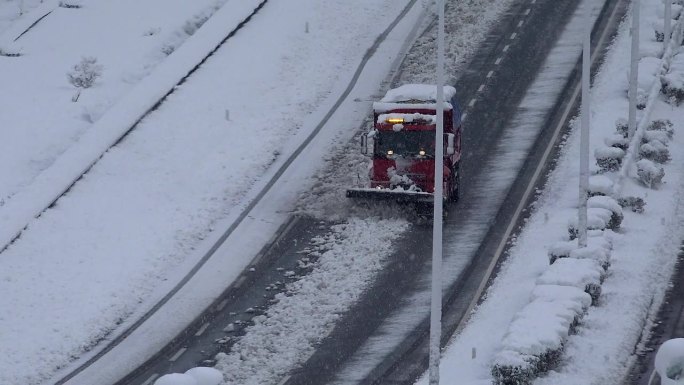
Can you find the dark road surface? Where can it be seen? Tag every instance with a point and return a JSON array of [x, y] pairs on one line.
[[506, 78]]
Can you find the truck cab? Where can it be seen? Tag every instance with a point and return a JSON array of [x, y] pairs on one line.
[[402, 142]]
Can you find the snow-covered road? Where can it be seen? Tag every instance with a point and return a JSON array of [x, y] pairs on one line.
[[644, 249]]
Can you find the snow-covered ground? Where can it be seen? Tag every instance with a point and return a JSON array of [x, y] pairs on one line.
[[145, 214], [129, 39], [134, 225], [643, 254]]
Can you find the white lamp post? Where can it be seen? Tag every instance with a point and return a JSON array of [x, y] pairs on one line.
[[584, 132], [634, 68], [667, 27], [436, 300]]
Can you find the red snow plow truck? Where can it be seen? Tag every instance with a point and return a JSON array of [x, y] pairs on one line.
[[402, 146]]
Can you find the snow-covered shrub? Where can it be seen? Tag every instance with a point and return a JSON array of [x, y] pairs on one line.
[[659, 32], [597, 219], [84, 74], [205, 376], [617, 141], [9, 51], [609, 158], [655, 151], [662, 136], [650, 174], [669, 362], [611, 204], [622, 127], [191, 26], [513, 368], [598, 254], [635, 204], [672, 83], [564, 248], [661, 125], [175, 379], [600, 185], [561, 250], [72, 4], [194, 376], [534, 341], [585, 274], [649, 68]]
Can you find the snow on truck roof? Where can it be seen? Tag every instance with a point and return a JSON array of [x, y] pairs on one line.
[[411, 96]]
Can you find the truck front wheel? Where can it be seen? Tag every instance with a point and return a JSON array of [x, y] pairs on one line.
[[455, 185]]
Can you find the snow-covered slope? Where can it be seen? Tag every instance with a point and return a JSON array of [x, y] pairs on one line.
[[128, 38]]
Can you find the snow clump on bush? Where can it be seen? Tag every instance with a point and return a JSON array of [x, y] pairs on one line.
[[672, 83], [650, 174], [194, 376], [609, 204], [655, 151], [661, 125], [609, 158], [600, 185], [669, 362]]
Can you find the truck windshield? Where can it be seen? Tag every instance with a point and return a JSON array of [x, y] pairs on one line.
[[406, 143]]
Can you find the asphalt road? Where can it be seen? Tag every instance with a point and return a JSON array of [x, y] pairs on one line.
[[504, 88], [670, 325], [485, 123]]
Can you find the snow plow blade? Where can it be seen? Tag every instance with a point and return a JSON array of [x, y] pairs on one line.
[[390, 195]]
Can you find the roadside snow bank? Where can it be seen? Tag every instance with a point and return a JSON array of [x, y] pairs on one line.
[[344, 261]]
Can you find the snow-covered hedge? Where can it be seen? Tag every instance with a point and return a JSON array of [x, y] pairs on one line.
[[596, 253], [598, 218], [649, 68], [609, 158], [622, 127], [565, 248], [617, 141], [600, 185], [672, 83], [649, 173], [655, 151], [536, 336], [611, 204], [669, 362], [636, 204], [194, 376], [585, 274], [664, 125]]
